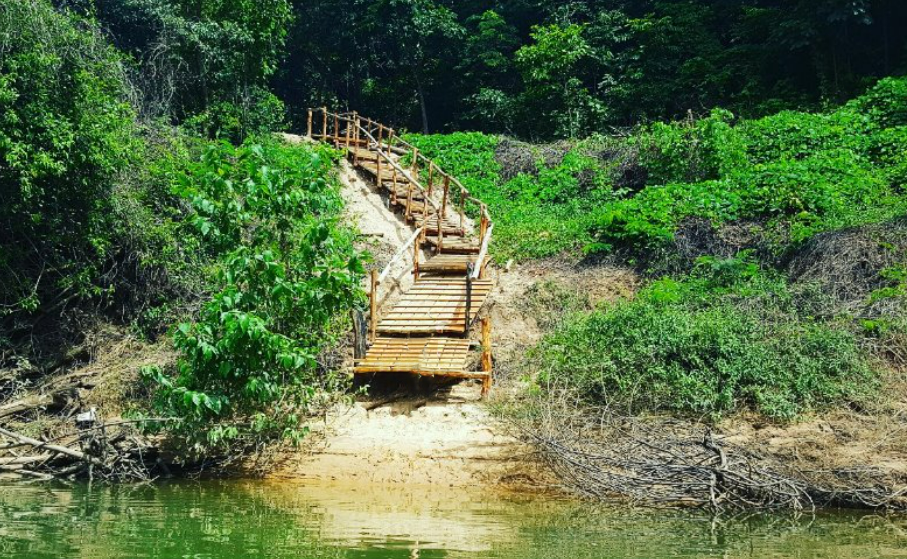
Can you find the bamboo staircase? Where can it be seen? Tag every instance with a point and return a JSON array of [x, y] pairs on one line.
[[428, 331]]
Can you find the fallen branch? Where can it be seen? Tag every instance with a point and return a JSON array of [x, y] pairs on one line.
[[72, 453]]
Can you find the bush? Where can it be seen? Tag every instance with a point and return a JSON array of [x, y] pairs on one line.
[[800, 173], [697, 347], [66, 131], [268, 212], [258, 112]]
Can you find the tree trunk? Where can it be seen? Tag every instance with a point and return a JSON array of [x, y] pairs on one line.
[[422, 106]]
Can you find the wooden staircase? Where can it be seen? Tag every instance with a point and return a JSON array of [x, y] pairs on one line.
[[428, 331]]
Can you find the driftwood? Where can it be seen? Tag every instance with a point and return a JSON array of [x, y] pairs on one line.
[[660, 461], [26, 404]]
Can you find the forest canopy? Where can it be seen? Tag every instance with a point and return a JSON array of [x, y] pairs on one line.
[[525, 67]]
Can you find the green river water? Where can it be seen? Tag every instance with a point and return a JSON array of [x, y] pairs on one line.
[[274, 519]]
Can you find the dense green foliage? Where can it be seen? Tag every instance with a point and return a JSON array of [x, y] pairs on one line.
[[567, 68], [109, 216], [285, 271], [723, 340], [66, 131], [794, 173], [534, 69]]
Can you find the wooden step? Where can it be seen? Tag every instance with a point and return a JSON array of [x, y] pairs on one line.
[[448, 264], [435, 306], [454, 245], [423, 356]]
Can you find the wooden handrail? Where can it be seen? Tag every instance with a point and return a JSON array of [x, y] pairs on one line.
[[399, 254], [483, 251]]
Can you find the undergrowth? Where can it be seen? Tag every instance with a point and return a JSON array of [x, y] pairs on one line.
[[726, 338], [800, 173]]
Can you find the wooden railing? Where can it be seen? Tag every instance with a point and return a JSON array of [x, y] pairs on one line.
[[349, 130]]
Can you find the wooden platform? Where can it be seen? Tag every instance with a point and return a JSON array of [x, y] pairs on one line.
[[454, 245]]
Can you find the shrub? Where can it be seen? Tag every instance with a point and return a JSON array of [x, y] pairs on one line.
[[536, 215], [269, 212], [697, 347], [258, 112]]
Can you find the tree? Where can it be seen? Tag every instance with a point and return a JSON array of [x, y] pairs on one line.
[[413, 41], [557, 69], [67, 130]]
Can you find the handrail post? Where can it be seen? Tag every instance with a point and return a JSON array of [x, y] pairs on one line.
[[336, 130], [416, 261], [310, 124], [356, 138], [463, 212], [373, 307], [442, 213], [431, 172], [409, 201], [469, 271], [487, 360], [324, 123], [348, 131], [394, 191]]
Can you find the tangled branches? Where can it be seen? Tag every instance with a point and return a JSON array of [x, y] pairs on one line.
[[656, 461]]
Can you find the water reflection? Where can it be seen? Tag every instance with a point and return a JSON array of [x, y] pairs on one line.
[[280, 519]]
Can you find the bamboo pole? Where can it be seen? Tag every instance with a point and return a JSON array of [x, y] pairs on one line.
[[373, 307], [348, 131], [442, 213], [378, 157], [356, 138], [336, 130], [462, 212], [469, 272], [431, 173], [324, 123], [486, 344], [310, 124], [416, 261], [394, 191]]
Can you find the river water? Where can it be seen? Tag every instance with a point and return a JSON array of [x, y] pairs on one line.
[[279, 519]]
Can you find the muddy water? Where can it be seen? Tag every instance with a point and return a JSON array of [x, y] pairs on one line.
[[283, 520]]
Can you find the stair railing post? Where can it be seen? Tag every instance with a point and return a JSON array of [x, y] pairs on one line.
[[394, 191], [310, 124], [349, 129], [373, 307], [416, 261], [487, 361], [355, 138], [336, 130], [463, 211], [469, 271], [324, 123], [442, 214]]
